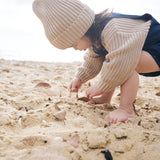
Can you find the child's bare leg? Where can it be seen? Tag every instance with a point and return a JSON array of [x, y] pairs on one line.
[[147, 64], [104, 98], [129, 89], [128, 94]]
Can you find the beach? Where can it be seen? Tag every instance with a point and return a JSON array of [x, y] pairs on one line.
[[41, 120]]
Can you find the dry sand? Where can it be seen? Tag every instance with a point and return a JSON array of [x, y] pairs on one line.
[[29, 129]]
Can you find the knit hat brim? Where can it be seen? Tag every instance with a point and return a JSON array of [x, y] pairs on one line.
[[74, 31]]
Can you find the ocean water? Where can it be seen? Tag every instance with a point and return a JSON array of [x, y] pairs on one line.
[[22, 36]]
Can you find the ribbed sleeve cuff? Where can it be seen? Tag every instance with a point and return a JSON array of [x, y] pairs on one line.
[[84, 77], [91, 66]]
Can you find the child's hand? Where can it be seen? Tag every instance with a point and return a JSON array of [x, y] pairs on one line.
[[75, 85], [93, 91]]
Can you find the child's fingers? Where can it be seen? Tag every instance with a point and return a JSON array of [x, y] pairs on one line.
[[88, 93], [73, 87], [74, 90], [91, 102]]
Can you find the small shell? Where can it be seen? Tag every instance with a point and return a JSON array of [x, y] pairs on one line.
[[74, 141], [158, 94], [44, 121], [58, 139], [43, 84], [85, 99], [6, 70], [73, 89], [57, 107], [60, 115], [20, 121]]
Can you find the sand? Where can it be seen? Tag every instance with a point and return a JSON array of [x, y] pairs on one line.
[[41, 120]]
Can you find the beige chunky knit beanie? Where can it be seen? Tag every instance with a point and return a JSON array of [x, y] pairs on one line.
[[64, 21]]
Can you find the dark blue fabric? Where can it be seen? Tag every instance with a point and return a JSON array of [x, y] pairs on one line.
[[152, 42], [152, 46]]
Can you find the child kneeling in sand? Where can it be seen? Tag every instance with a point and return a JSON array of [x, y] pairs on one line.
[[119, 47]]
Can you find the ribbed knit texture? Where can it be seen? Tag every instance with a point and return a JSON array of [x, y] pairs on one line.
[[64, 21], [124, 39], [91, 67]]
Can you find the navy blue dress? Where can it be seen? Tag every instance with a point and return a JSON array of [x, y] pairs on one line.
[[152, 42]]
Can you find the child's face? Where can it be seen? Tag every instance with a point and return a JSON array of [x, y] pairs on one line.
[[82, 44]]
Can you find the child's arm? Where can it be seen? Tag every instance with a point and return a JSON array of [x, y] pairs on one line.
[[91, 66]]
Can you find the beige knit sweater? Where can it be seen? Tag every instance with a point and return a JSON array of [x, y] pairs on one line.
[[123, 38]]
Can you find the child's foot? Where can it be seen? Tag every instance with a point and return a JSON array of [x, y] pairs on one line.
[[119, 115]]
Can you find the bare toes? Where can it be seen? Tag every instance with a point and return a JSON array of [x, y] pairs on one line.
[[107, 119]]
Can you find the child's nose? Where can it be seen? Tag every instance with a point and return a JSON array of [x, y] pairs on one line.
[[75, 48]]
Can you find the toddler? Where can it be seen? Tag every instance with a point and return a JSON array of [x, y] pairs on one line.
[[119, 48]]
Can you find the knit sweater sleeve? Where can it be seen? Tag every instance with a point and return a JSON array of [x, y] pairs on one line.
[[91, 66], [124, 39]]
